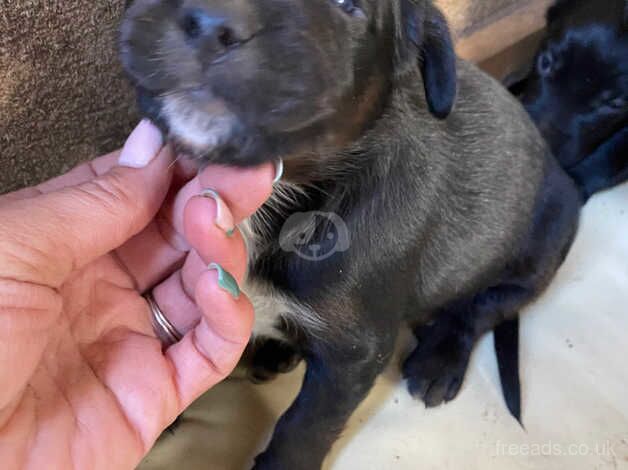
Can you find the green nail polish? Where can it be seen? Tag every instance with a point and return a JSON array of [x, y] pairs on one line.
[[226, 281], [230, 233]]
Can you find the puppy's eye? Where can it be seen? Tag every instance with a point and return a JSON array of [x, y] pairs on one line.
[[350, 7], [545, 63]]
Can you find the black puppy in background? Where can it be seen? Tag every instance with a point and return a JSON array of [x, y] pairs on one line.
[[432, 198], [577, 94]]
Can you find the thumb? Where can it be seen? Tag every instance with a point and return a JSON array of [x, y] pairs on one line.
[[45, 238]]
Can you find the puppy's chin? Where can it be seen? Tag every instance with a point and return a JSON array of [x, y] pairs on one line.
[[198, 125], [201, 127]]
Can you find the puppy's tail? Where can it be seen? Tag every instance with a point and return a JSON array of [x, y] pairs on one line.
[[506, 343]]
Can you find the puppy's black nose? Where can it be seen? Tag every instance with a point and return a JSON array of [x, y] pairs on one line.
[[203, 27]]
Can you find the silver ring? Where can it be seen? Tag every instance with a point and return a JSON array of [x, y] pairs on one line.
[[165, 331]]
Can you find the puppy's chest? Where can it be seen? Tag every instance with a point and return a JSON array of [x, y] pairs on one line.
[[272, 308], [275, 308]]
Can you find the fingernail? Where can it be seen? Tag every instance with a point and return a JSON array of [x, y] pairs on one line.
[[224, 218], [226, 281], [142, 146], [278, 171]]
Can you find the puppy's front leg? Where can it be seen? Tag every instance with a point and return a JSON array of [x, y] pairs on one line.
[[338, 378]]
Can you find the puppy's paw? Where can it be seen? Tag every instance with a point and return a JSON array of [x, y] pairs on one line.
[[272, 357], [436, 368]]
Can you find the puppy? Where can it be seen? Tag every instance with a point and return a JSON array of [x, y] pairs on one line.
[[453, 213], [577, 92]]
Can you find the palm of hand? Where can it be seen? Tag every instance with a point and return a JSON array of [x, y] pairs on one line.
[[102, 383], [85, 383]]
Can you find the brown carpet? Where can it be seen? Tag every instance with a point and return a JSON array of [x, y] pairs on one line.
[[63, 97]]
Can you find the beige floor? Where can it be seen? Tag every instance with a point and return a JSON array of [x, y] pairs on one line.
[[575, 387]]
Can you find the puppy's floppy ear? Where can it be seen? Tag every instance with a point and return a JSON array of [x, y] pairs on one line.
[[426, 27]]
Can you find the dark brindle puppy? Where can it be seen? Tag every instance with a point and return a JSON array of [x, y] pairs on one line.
[[411, 217]]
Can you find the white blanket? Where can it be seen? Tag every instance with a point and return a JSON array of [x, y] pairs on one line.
[[574, 374]]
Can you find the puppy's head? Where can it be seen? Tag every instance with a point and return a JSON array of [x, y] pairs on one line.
[[578, 90], [246, 81]]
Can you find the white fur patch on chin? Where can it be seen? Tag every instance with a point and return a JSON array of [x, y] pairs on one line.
[[200, 128]]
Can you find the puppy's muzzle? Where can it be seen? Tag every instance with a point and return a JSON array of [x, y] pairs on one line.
[[191, 34]]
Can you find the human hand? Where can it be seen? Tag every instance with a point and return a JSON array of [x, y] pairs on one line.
[[85, 383]]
